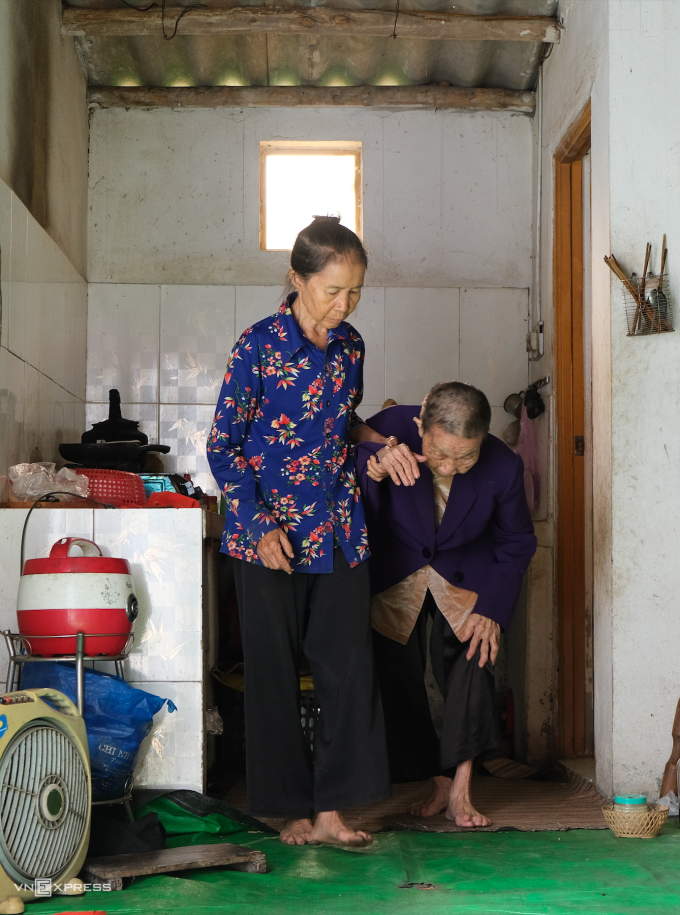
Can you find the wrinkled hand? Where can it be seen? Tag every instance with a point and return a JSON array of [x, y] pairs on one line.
[[273, 549], [483, 632], [396, 461]]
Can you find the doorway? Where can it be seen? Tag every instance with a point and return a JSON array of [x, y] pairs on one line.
[[571, 265]]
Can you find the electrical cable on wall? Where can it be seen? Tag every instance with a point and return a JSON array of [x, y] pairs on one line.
[[187, 9]]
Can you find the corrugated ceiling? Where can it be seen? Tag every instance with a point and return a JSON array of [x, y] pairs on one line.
[[315, 60]]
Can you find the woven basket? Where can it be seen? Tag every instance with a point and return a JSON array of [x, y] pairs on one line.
[[644, 825]]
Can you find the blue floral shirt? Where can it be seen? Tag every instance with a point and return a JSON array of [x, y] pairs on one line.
[[279, 445]]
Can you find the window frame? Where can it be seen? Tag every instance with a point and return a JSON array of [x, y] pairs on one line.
[[310, 148]]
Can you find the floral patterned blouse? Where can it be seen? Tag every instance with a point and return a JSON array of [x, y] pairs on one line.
[[279, 445]]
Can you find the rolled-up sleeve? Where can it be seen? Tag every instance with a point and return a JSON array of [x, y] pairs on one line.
[[247, 517]]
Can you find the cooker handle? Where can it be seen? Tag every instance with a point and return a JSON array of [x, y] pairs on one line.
[[62, 547]]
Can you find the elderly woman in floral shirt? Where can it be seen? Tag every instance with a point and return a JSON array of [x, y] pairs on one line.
[[280, 451]]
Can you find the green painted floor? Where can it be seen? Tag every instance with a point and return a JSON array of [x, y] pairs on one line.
[[512, 873]]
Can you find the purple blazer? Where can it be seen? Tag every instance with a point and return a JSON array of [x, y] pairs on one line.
[[486, 538]]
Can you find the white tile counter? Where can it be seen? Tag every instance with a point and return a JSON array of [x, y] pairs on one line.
[[173, 555]]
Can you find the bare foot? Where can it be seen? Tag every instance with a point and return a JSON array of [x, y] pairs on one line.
[[437, 801], [460, 808], [331, 829], [461, 811], [296, 832]]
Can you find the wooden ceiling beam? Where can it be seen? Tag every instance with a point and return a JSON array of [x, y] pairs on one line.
[[284, 20], [312, 96]]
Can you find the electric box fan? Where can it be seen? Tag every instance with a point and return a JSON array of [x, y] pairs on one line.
[[45, 797]]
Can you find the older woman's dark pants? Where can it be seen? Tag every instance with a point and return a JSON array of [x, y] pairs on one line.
[[470, 728], [326, 617]]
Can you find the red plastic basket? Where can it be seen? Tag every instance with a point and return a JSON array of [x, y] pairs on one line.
[[114, 486]]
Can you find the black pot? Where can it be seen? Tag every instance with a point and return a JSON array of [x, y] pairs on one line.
[[115, 428], [130, 456]]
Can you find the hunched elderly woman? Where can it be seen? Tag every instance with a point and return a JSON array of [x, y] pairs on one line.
[[453, 543], [280, 452]]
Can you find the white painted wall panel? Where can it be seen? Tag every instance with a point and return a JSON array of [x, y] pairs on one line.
[[253, 303], [369, 320], [123, 337], [43, 341], [421, 341], [493, 329], [197, 330]]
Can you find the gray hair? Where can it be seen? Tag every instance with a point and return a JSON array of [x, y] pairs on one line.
[[457, 408]]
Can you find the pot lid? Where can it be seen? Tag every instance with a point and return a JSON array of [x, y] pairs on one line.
[[115, 428]]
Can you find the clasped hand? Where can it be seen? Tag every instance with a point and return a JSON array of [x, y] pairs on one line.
[[397, 462], [484, 634], [274, 550]]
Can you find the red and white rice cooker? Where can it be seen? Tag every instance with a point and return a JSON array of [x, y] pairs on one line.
[[63, 595]]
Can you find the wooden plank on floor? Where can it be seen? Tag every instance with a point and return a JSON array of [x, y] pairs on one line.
[[169, 860]]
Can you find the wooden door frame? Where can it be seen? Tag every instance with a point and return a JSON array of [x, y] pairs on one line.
[[573, 707]]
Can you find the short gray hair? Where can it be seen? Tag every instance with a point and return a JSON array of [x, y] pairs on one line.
[[457, 408]]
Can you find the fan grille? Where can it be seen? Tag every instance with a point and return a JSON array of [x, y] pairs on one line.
[[43, 802]]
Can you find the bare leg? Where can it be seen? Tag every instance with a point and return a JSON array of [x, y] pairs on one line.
[[460, 808], [331, 829], [296, 832], [437, 801]]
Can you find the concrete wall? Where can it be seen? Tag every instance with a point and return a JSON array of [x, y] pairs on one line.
[[174, 195], [43, 231], [43, 122], [645, 453]]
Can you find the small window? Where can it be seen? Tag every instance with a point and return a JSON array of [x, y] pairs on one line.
[[302, 180]]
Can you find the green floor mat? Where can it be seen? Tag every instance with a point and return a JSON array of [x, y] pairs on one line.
[[508, 873]]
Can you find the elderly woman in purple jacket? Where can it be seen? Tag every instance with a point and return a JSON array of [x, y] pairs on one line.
[[451, 540]]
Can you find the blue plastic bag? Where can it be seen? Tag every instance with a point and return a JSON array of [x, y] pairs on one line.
[[117, 718]]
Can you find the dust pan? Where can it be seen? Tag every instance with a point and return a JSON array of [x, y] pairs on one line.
[[644, 825]]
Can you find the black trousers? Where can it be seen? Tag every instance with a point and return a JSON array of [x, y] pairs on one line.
[[326, 617], [470, 727]]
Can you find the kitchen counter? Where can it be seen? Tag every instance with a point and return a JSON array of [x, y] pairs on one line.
[[173, 554]]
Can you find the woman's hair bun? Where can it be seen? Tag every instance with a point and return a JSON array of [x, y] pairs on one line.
[[323, 241]]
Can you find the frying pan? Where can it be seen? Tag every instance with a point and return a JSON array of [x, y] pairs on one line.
[[109, 455]]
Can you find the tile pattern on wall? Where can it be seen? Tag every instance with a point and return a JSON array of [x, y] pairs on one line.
[[414, 338], [164, 550], [43, 334]]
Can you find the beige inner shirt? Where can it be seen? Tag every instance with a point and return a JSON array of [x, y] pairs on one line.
[[394, 612]]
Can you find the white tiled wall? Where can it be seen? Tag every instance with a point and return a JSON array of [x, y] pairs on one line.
[[43, 340], [165, 349]]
